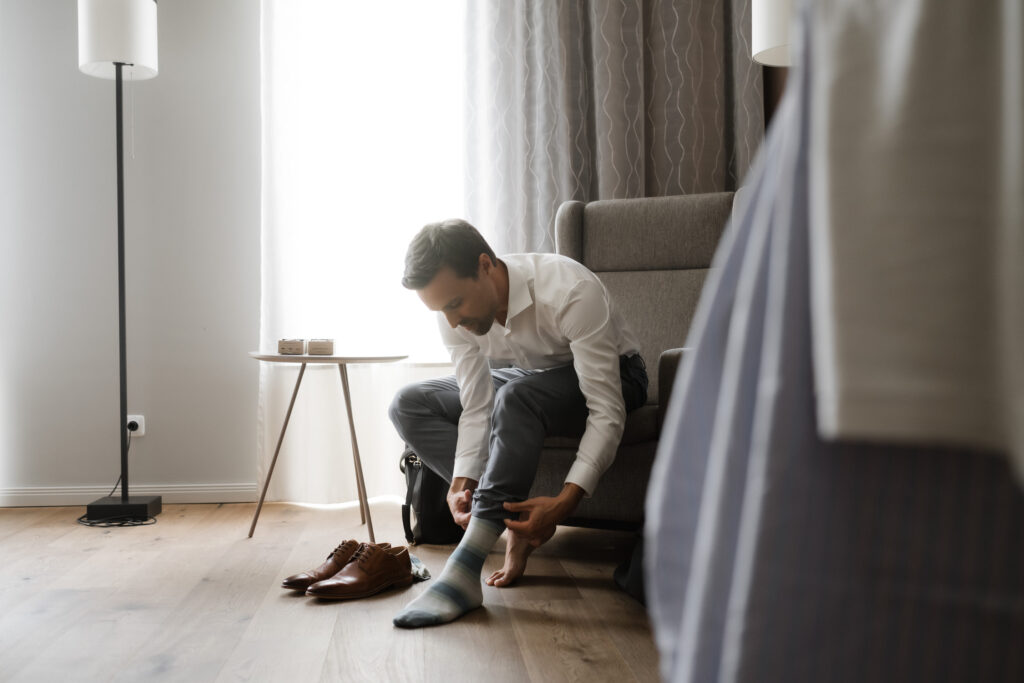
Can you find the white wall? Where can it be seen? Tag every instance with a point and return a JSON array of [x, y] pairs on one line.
[[193, 281]]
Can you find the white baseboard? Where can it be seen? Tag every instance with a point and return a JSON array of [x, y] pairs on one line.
[[170, 494]]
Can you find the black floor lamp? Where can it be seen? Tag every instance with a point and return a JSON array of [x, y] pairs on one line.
[[114, 35]]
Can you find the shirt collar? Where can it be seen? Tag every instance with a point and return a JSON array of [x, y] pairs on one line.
[[519, 296]]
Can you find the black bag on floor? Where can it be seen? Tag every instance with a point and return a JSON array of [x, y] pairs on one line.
[[425, 515], [629, 576]]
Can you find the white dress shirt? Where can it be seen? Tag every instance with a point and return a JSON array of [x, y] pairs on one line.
[[558, 313]]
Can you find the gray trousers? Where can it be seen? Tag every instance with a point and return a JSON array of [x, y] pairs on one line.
[[528, 406]]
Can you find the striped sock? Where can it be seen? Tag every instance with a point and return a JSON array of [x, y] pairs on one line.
[[457, 590]]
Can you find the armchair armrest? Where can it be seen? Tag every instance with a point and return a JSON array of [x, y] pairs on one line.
[[668, 365]]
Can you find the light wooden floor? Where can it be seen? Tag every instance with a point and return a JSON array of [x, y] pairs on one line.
[[192, 599]]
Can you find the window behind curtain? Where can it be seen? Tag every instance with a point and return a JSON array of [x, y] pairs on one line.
[[362, 145]]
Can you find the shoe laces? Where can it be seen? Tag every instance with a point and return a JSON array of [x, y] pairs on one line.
[[363, 553], [341, 548]]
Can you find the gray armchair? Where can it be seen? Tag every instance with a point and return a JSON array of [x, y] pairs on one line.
[[653, 255]]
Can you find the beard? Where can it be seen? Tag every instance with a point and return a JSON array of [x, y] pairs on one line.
[[479, 326]]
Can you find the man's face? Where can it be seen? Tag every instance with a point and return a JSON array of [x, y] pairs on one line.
[[467, 302]]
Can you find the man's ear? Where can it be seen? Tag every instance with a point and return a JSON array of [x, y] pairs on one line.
[[484, 264]]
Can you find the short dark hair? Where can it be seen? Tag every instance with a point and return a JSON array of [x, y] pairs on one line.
[[453, 243]]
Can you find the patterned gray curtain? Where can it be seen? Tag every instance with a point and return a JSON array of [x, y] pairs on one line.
[[602, 99]]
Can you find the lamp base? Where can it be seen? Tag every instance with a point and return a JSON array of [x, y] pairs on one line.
[[136, 507]]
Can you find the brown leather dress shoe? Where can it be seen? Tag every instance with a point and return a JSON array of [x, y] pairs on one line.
[[338, 558], [371, 570]]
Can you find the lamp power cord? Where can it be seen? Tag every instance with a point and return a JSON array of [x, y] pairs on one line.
[[118, 521]]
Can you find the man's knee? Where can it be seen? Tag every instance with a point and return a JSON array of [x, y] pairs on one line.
[[515, 400], [405, 403]]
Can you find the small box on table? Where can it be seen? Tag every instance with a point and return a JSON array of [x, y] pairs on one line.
[[321, 347], [291, 347]]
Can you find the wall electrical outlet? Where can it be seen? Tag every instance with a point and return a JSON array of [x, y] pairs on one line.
[[141, 420]]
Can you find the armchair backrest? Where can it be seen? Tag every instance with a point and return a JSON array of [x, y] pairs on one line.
[[653, 255]]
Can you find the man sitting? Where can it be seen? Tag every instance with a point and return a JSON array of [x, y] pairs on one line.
[[573, 369]]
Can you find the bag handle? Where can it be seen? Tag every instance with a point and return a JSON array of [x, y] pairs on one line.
[[412, 481]]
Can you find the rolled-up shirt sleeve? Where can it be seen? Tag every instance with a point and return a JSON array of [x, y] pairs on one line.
[[585, 319], [476, 393]]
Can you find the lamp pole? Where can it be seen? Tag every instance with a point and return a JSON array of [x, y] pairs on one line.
[[122, 336]]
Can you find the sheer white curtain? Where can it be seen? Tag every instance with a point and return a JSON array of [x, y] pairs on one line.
[[362, 145]]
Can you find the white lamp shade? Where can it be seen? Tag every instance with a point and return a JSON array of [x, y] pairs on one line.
[[117, 31], [769, 35]]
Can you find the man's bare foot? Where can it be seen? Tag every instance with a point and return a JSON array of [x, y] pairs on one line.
[[517, 551]]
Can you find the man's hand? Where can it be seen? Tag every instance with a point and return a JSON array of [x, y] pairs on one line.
[[539, 516], [460, 499]]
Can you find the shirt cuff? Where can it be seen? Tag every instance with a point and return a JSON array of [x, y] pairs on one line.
[[583, 475], [471, 468]]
